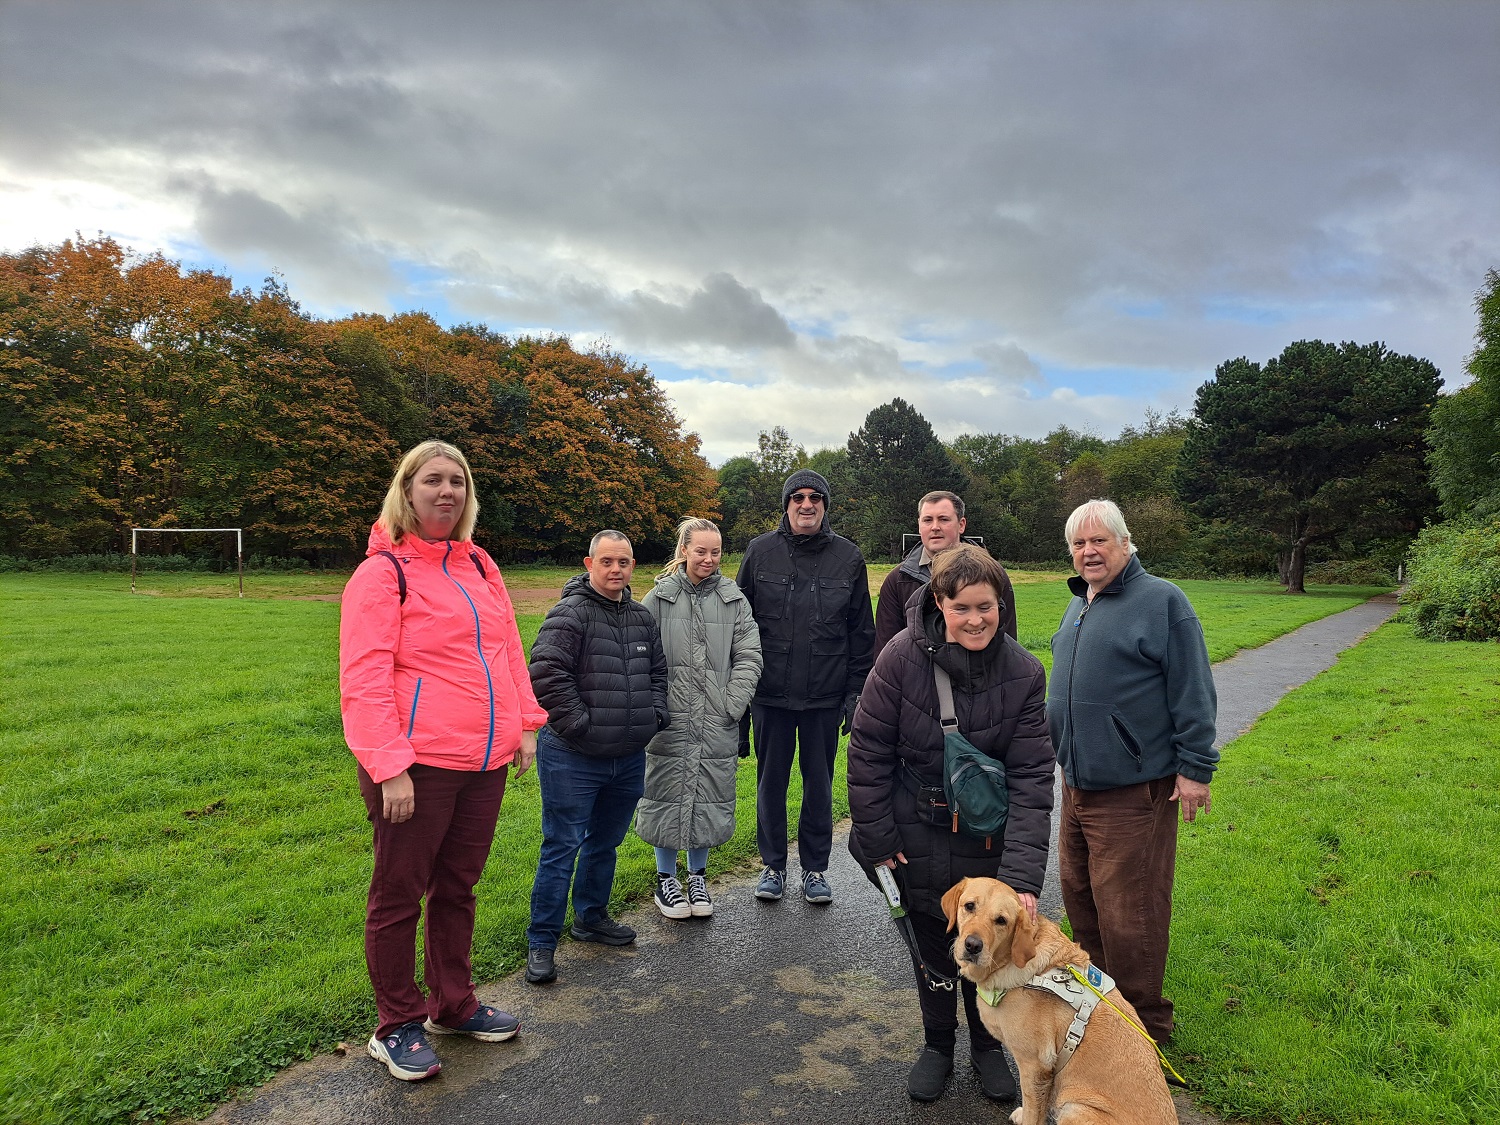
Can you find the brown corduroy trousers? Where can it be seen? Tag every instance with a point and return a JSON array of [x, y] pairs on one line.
[[1117, 853]]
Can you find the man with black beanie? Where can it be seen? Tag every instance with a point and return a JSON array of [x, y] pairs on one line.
[[810, 595]]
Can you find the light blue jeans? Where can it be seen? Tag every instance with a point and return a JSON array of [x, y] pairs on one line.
[[666, 860]]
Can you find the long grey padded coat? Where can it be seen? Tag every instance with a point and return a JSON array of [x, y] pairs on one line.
[[713, 664]]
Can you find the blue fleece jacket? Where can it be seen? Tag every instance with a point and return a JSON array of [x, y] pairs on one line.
[[1131, 697]]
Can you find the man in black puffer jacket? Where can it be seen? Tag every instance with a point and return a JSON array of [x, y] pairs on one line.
[[599, 670], [810, 595]]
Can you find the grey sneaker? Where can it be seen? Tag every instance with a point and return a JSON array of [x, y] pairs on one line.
[[541, 965], [772, 885], [815, 888], [699, 901], [405, 1053], [489, 1025], [669, 898]]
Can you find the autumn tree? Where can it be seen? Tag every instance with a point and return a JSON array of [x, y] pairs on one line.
[[1321, 441]]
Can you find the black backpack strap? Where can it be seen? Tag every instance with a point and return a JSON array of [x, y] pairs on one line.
[[400, 574]]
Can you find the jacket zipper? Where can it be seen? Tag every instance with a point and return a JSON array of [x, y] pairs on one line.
[[1072, 662], [489, 682], [411, 723]]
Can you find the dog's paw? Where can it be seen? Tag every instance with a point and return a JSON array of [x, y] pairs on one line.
[[1015, 1116]]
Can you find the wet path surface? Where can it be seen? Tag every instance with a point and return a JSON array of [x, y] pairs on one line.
[[767, 1012]]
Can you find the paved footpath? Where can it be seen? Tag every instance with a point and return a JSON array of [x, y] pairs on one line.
[[782, 1012]]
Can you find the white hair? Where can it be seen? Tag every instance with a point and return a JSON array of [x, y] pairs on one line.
[[1105, 513]]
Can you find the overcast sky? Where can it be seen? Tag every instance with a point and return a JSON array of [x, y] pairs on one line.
[[1010, 214]]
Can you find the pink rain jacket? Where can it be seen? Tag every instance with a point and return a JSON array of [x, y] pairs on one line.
[[440, 680]]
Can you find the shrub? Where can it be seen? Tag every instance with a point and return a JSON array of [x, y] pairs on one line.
[[1454, 593], [1350, 572]]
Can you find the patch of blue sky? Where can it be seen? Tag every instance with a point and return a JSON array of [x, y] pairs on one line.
[[815, 329], [1143, 310], [669, 372], [1237, 310], [422, 288]]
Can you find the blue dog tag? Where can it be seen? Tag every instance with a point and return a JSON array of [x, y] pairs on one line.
[[1096, 978]]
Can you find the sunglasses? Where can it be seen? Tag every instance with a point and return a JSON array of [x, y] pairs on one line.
[[806, 498]]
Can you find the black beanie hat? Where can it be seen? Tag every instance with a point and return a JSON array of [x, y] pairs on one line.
[[805, 478]]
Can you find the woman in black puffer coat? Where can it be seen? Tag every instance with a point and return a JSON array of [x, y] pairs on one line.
[[999, 697]]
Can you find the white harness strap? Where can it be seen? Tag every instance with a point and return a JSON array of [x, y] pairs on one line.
[[1061, 984]]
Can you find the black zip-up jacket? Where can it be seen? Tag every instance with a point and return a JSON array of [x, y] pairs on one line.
[[599, 669], [811, 598]]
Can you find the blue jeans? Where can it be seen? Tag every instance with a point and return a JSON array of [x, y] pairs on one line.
[[587, 806]]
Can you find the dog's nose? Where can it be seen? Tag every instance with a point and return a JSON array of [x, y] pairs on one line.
[[973, 945]]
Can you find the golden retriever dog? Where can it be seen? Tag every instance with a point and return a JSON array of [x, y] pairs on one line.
[[1113, 1076]]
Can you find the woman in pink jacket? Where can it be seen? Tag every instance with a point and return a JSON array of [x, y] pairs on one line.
[[436, 703]]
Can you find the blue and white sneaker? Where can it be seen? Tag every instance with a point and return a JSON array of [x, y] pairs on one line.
[[406, 1053], [815, 887], [489, 1025], [772, 885]]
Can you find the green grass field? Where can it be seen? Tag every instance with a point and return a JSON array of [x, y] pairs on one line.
[[1335, 952], [183, 854]]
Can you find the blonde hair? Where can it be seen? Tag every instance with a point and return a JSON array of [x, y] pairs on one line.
[[685, 532], [400, 518]]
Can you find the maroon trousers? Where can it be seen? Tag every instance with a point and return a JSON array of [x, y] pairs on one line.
[[438, 855], [1117, 853]]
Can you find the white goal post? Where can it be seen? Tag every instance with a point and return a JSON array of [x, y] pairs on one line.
[[911, 538], [239, 546]]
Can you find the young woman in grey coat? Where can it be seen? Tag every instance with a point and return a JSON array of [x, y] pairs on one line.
[[713, 664]]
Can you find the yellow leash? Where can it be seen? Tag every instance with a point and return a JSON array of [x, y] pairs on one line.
[[1083, 980]]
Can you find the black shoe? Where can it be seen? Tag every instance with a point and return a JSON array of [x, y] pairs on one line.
[[604, 928], [540, 968], [995, 1078], [929, 1076]]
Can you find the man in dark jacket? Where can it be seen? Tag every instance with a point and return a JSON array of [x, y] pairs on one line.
[[810, 594], [599, 670], [1132, 710], [940, 525]]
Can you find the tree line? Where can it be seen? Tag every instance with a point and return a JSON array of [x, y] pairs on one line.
[[138, 394]]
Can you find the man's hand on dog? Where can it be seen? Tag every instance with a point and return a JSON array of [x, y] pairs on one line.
[[399, 797], [1193, 795]]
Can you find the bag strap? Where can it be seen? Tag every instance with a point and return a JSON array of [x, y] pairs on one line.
[[400, 574], [945, 699]]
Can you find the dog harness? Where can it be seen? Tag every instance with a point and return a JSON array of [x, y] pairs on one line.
[[1063, 984]]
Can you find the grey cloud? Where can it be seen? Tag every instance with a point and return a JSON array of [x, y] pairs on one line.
[[1032, 173], [1008, 362], [721, 312]]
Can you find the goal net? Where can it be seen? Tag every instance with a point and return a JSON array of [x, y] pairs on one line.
[[239, 545]]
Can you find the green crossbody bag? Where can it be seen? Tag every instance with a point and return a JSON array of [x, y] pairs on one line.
[[973, 782]]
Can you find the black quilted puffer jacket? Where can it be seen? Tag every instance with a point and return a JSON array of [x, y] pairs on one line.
[[599, 670]]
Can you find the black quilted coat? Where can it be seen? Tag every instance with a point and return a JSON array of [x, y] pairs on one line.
[[599, 670], [999, 698]]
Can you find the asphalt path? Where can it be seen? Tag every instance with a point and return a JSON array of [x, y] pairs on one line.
[[766, 1012]]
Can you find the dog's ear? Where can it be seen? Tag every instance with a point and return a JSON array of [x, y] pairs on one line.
[[1023, 939], [950, 902]]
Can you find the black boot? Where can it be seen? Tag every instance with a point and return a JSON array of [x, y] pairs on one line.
[[929, 1075], [995, 1078]]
